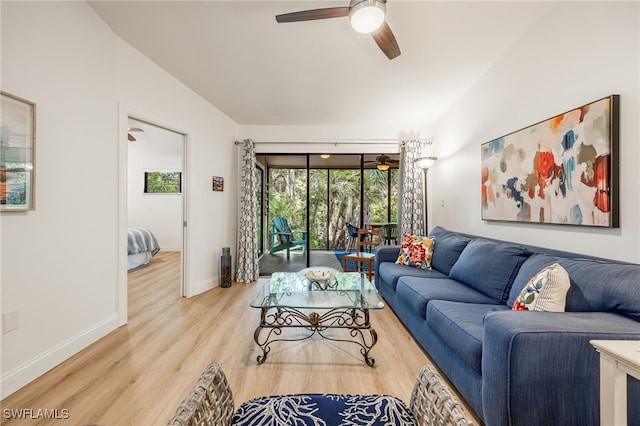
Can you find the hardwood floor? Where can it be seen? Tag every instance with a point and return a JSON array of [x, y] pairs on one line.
[[139, 373]]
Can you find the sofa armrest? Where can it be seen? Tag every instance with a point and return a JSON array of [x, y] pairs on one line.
[[385, 254], [537, 363]]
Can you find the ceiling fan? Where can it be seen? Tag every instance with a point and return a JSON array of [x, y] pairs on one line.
[[383, 162], [366, 16]]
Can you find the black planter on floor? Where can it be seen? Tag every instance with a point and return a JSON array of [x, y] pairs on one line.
[[225, 267]]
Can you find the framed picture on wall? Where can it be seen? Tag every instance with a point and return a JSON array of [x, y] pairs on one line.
[[217, 183], [17, 153], [563, 170]]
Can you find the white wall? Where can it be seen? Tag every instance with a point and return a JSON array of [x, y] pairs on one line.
[[577, 53], [60, 262], [154, 150], [152, 93]]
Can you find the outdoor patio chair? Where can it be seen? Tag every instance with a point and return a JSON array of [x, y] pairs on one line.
[[211, 403], [389, 233], [286, 237], [352, 231]]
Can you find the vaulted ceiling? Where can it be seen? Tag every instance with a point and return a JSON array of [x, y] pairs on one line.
[[259, 72]]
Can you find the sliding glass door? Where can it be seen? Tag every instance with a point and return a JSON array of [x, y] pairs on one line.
[[316, 196], [318, 208], [287, 207], [381, 195], [334, 201]]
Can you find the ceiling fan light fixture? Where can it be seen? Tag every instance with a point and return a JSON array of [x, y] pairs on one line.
[[382, 166], [325, 156], [367, 16]]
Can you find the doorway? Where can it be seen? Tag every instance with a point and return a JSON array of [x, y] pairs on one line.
[[152, 193], [320, 196]]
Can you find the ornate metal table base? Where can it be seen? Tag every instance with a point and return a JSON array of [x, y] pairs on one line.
[[355, 320]]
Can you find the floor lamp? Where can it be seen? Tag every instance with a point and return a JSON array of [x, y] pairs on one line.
[[424, 163]]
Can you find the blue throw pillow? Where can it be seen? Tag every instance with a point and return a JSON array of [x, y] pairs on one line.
[[603, 286], [489, 267], [597, 285], [448, 249]]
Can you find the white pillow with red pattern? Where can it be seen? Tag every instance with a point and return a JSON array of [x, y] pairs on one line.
[[545, 291]]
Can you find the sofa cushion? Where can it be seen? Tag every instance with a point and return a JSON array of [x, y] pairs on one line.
[[489, 267], [460, 326], [596, 285], [416, 251], [416, 292], [390, 272], [546, 291], [448, 248], [603, 286]]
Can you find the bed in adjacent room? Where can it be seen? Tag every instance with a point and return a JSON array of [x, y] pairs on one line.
[[141, 246]]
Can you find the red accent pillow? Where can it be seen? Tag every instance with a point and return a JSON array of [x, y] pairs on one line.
[[416, 251]]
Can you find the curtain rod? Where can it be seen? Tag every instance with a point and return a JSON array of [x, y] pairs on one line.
[[427, 141], [332, 142]]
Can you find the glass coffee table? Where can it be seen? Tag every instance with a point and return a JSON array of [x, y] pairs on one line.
[[340, 303]]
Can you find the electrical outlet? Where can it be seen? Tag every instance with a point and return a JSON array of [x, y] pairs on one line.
[[10, 321]]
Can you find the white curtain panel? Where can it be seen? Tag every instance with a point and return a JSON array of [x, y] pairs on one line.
[[247, 258], [411, 207]]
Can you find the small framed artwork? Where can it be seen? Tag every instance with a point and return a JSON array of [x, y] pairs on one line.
[[218, 183], [17, 153], [162, 182], [563, 170]]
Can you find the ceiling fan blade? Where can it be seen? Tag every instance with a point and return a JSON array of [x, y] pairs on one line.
[[386, 41], [310, 15], [130, 137]]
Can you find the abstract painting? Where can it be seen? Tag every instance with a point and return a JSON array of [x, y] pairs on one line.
[[563, 170]]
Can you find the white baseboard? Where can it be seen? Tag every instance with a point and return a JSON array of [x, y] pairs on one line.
[[24, 374], [171, 248], [202, 286]]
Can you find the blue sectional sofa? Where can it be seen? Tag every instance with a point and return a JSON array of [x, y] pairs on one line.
[[515, 367]]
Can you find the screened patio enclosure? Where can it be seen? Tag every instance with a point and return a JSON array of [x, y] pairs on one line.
[[317, 197]]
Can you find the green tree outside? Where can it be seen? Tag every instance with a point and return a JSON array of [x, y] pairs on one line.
[[334, 200]]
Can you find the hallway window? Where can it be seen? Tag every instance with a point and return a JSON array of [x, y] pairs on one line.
[[162, 182]]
